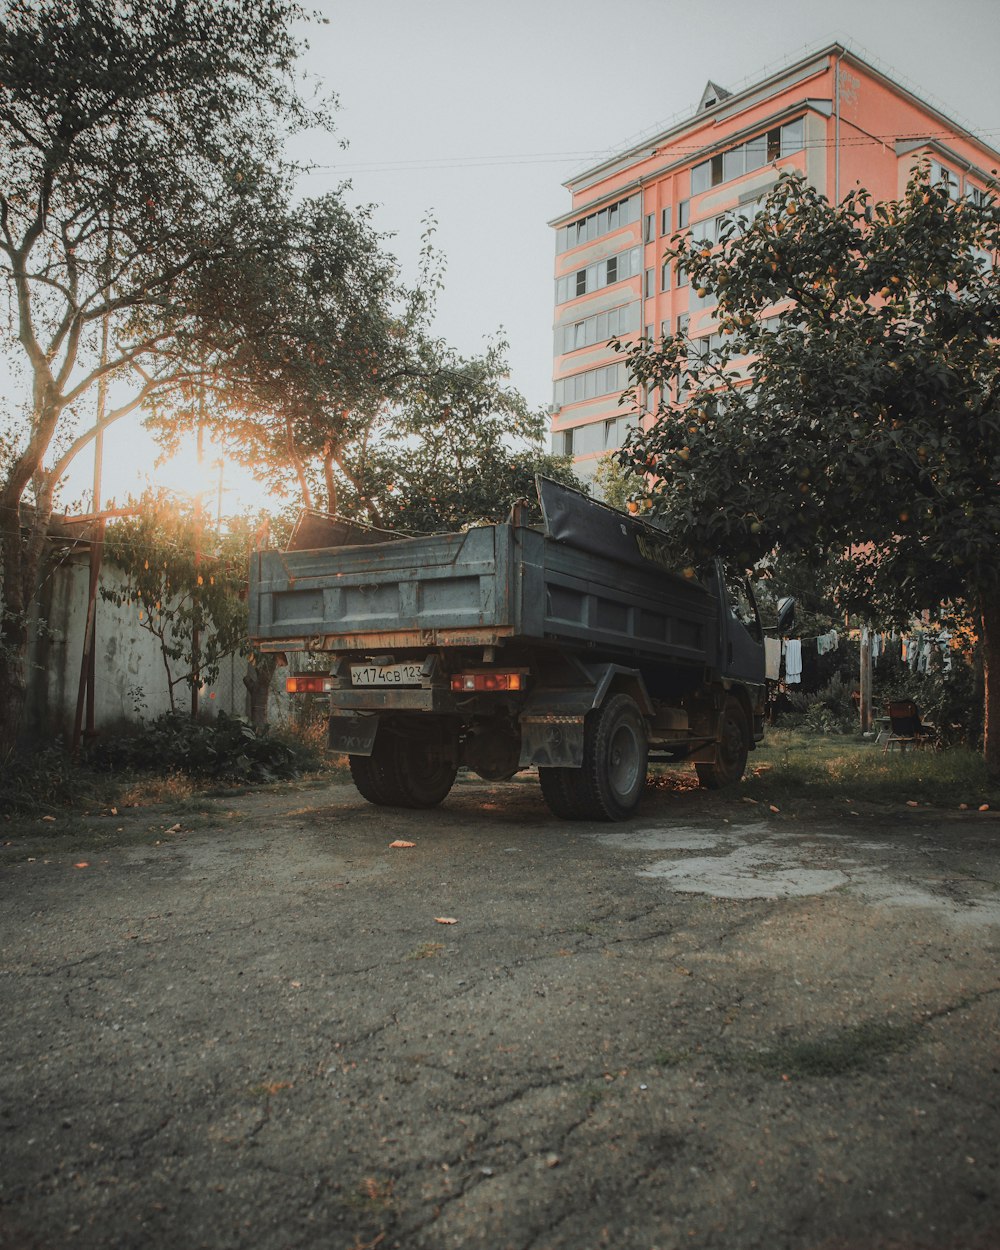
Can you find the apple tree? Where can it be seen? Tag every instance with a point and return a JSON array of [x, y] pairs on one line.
[[845, 408]]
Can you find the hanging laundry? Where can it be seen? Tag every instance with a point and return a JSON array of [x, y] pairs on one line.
[[793, 661], [772, 658], [826, 642]]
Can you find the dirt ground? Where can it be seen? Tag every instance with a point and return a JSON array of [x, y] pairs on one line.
[[252, 1022]]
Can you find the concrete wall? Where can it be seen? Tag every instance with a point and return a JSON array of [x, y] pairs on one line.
[[131, 680]]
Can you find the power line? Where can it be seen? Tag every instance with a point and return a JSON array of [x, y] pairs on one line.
[[484, 162]]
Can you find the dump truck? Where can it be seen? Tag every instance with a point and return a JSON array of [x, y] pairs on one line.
[[573, 647]]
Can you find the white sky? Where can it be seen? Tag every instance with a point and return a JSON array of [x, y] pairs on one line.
[[477, 112]]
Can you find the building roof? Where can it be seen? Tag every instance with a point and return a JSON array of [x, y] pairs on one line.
[[718, 102]]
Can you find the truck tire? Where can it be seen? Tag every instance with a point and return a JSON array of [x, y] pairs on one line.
[[733, 748], [374, 781], [398, 773], [613, 777], [566, 793]]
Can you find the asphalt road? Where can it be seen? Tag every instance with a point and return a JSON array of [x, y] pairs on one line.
[[717, 1026]]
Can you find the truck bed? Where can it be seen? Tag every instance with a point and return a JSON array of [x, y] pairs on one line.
[[489, 586]]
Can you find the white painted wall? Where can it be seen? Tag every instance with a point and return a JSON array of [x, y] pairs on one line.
[[131, 683]]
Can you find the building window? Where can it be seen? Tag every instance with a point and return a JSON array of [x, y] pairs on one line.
[[682, 278], [589, 385], [649, 284], [600, 274], [594, 225], [665, 220], [665, 276], [683, 321], [665, 329], [649, 228], [601, 327], [567, 443], [596, 436], [744, 158], [682, 215], [942, 176]]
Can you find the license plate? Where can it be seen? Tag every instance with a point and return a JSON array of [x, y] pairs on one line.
[[385, 674]]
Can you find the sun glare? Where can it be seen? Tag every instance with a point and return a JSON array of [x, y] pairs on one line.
[[132, 463]]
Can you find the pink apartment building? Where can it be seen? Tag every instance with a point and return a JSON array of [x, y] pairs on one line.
[[832, 116]]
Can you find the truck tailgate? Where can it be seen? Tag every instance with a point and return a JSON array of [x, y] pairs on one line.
[[442, 589]]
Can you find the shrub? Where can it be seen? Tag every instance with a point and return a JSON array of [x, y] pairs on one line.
[[226, 749], [828, 710], [41, 782]]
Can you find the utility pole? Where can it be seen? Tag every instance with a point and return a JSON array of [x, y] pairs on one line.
[[196, 597], [865, 684], [84, 720]]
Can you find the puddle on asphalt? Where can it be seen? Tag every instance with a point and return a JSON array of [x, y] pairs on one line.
[[751, 862]]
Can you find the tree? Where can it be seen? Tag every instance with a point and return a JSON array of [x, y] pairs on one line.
[[345, 397], [187, 585], [140, 164], [847, 407]]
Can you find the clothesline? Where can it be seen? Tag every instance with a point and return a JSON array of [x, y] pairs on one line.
[[790, 650], [783, 658]]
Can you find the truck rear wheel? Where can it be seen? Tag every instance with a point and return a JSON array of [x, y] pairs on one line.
[[566, 793], [731, 752], [613, 777], [402, 772]]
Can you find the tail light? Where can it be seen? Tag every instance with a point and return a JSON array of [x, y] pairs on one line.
[[309, 683], [477, 683]]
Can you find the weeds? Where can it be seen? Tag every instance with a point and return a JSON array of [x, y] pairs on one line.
[[169, 760], [426, 950]]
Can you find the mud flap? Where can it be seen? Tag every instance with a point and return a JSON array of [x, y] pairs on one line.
[[352, 735], [551, 741]]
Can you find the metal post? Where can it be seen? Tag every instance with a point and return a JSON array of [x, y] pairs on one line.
[[866, 680]]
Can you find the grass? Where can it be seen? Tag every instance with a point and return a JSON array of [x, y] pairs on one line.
[[798, 764]]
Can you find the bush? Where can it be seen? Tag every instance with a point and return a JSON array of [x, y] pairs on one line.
[[41, 782], [828, 710], [226, 749]]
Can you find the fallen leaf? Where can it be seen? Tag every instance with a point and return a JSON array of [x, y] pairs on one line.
[[984, 807], [749, 800], [114, 811], [682, 971], [912, 803], [963, 807], [445, 920], [82, 864], [772, 808], [296, 985], [400, 844], [48, 818], [173, 828], [552, 1161]]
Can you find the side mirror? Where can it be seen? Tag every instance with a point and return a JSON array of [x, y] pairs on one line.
[[786, 614]]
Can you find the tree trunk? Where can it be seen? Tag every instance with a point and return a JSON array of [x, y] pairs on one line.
[[257, 680], [989, 608], [20, 559], [13, 691]]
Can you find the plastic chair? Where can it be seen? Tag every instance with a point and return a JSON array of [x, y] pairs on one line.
[[906, 728]]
